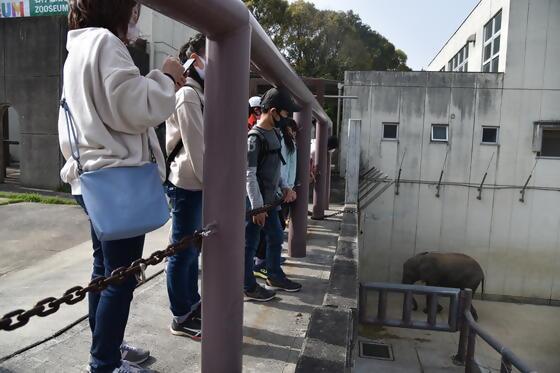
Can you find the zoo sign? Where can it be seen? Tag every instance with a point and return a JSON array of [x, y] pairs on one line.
[[32, 8]]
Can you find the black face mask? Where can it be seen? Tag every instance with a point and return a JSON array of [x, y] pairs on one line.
[[281, 123]]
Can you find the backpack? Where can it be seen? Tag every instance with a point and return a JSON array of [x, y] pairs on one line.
[[264, 148]]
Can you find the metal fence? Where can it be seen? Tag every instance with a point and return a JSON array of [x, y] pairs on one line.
[[459, 318]]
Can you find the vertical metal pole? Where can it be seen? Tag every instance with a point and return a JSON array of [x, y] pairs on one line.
[[321, 160], [471, 345], [226, 89], [298, 223], [353, 162], [464, 306], [329, 176], [3, 161]]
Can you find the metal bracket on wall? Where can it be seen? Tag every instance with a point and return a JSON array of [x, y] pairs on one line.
[[438, 187], [524, 189], [398, 183], [479, 197]]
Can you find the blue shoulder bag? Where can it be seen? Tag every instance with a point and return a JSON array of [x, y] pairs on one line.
[[122, 202]]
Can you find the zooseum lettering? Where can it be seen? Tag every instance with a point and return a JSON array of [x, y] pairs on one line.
[[32, 8]]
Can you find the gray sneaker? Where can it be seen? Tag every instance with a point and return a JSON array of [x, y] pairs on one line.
[[135, 355], [128, 367]]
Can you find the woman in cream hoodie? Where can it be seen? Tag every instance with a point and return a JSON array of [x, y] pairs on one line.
[[114, 109]]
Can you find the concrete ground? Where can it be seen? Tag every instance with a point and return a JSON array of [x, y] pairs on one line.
[[273, 331], [530, 331], [44, 250]]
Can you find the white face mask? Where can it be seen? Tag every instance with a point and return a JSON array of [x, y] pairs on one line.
[[201, 71]]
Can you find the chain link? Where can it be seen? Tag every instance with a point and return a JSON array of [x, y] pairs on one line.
[[18, 318]]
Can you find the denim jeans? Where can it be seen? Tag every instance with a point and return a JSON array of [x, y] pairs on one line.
[[182, 268], [274, 239], [108, 310]]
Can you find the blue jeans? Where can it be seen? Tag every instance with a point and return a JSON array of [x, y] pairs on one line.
[[108, 310], [182, 268], [274, 239]]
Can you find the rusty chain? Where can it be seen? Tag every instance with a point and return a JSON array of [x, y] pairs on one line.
[[45, 307], [18, 318]]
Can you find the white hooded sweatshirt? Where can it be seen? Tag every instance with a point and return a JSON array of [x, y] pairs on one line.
[[113, 106]]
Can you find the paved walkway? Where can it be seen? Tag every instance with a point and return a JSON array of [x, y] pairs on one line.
[[273, 331]]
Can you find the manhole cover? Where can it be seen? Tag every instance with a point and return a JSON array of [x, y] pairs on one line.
[[376, 350]]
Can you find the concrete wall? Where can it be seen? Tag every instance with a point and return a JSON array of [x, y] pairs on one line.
[[13, 134], [31, 56], [164, 35], [517, 244], [474, 24]]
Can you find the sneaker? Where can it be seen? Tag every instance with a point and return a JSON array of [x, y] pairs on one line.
[[197, 312], [260, 272], [128, 367], [282, 284], [134, 354], [260, 294], [189, 328]]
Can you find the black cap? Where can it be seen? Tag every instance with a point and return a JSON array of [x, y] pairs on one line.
[[279, 99]]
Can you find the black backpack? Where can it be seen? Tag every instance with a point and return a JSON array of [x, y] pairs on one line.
[[264, 148]]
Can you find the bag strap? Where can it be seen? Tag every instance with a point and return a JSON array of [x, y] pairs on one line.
[[171, 157], [72, 132]]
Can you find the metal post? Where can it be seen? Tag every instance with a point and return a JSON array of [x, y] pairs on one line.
[[353, 162], [464, 306], [320, 189], [3, 161], [329, 176], [471, 345], [227, 88], [298, 222]]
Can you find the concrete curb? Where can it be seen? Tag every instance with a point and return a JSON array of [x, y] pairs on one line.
[[330, 334]]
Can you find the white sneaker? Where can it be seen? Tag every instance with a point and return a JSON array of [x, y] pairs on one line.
[[128, 367]]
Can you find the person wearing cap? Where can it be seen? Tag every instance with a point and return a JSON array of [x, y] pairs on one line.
[[265, 159], [254, 111]]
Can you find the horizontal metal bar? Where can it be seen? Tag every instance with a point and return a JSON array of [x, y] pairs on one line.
[[343, 97], [497, 346], [422, 325], [11, 142], [416, 289], [216, 18]]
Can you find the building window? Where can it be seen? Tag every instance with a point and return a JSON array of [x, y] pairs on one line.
[[490, 135], [546, 139], [491, 50], [459, 62], [390, 131], [440, 132]]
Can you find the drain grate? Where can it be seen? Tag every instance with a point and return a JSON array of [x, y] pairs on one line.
[[376, 350]]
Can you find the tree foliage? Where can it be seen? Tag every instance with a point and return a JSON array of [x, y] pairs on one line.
[[325, 43]]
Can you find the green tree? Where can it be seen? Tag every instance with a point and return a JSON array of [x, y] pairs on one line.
[[325, 43]]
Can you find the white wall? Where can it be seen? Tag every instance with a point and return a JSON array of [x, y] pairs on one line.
[[517, 244], [165, 36], [474, 24]]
